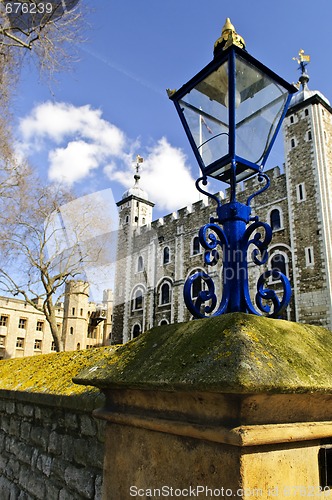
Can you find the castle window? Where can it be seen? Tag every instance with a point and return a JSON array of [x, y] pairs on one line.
[[81, 312], [291, 119], [127, 219], [140, 264], [196, 249], [78, 347], [53, 348], [309, 256], [71, 331], [165, 294], [22, 323], [309, 135], [166, 255], [40, 326], [325, 466], [3, 320], [300, 192], [37, 345], [275, 221], [138, 299], [292, 143], [136, 331], [306, 112], [2, 340], [73, 311], [19, 342], [278, 263], [197, 286]]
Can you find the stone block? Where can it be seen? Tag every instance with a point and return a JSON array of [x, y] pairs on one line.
[[80, 480], [88, 425]]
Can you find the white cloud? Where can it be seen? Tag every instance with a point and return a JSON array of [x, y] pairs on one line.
[[74, 162], [80, 141], [83, 138], [165, 176]]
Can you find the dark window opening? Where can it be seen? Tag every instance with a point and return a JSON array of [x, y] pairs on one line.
[[138, 301], [196, 246], [140, 264], [197, 286], [166, 255], [325, 466], [136, 331], [278, 263], [275, 219], [165, 294]]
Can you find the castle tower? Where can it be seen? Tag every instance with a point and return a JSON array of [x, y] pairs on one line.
[[135, 211], [76, 314], [308, 151]]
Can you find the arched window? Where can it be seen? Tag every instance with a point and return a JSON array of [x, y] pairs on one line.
[[275, 221], [166, 255], [138, 299], [278, 262], [163, 322], [197, 286], [165, 294], [293, 143], [196, 246], [136, 331], [140, 264]]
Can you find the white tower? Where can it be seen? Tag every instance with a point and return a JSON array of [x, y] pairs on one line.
[[135, 211], [308, 147]]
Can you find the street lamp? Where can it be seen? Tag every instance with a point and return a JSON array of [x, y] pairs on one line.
[[232, 111]]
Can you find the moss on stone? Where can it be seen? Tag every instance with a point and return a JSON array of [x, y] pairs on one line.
[[229, 353], [51, 374]]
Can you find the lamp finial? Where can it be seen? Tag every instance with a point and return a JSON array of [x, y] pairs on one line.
[[228, 37]]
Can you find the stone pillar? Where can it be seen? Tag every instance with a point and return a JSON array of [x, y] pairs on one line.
[[235, 406]]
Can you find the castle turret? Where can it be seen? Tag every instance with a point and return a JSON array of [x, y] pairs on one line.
[[76, 314], [135, 211], [308, 148]]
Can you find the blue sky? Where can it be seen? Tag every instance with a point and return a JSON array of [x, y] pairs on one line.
[[88, 127]]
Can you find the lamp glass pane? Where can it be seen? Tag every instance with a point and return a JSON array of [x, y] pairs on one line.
[[205, 111], [260, 102]]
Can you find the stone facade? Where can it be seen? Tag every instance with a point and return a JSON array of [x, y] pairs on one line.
[[156, 257], [51, 446], [24, 330], [49, 452]]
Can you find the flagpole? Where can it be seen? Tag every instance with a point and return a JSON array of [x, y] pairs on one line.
[[200, 148]]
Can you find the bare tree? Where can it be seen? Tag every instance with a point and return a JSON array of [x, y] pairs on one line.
[[48, 29], [44, 32], [39, 254]]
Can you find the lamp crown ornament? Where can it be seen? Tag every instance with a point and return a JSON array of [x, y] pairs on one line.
[[232, 111], [228, 37]]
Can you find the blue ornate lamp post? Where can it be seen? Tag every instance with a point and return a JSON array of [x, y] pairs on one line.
[[232, 111]]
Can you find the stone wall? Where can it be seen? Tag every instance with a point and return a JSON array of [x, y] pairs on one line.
[[51, 446]]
